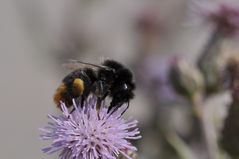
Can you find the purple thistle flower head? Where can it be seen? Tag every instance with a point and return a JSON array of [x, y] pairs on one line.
[[226, 18], [89, 133], [222, 15]]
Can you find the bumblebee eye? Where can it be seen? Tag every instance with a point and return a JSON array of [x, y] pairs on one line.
[[125, 86]]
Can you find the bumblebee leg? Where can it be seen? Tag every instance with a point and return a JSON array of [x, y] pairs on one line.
[[82, 101], [117, 107], [100, 99], [109, 109], [114, 103], [73, 110], [98, 104], [114, 110], [125, 109], [104, 96]]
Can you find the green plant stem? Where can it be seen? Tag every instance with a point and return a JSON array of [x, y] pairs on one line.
[[211, 47], [182, 149], [206, 127]]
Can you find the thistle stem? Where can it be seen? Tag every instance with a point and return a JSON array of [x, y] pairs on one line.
[[211, 44], [206, 127]]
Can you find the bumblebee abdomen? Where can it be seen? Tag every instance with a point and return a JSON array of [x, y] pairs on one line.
[[65, 93], [78, 86], [61, 95]]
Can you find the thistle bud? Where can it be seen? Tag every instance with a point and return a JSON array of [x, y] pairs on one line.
[[211, 69], [186, 79], [230, 133]]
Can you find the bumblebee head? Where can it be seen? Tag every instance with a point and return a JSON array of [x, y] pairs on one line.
[[109, 73], [121, 78]]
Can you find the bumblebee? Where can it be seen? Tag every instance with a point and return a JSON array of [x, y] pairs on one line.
[[110, 79]]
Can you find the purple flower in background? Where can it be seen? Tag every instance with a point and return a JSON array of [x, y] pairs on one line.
[[154, 75], [88, 133], [226, 18], [223, 15]]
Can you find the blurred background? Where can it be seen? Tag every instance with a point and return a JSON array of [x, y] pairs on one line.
[[148, 36]]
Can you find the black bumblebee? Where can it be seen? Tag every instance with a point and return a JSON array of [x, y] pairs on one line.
[[110, 79]]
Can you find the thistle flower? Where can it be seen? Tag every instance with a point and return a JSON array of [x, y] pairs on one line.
[[222, 15], [224, 19], [89, 133]]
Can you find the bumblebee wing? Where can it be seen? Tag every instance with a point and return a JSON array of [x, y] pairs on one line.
[[73, 65], [77, 64]]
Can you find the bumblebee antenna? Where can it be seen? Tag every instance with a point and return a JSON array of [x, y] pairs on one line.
[[72, 64]]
